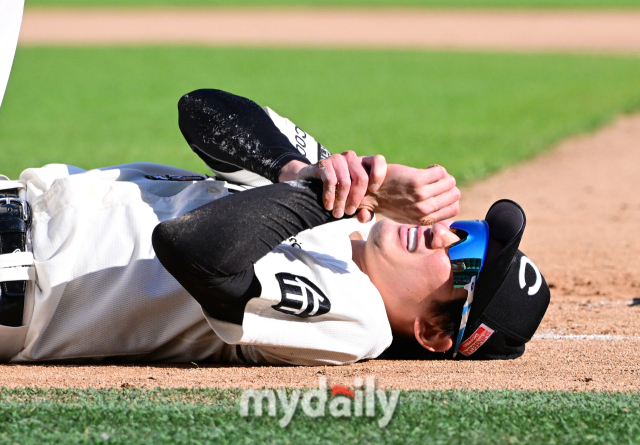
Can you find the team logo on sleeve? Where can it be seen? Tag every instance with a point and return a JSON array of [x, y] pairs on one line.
[[323, 153], [301, 297]]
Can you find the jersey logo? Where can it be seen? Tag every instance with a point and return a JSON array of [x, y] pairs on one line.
[[301, 297]]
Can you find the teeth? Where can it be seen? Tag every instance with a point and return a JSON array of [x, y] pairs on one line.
[[412, 242]]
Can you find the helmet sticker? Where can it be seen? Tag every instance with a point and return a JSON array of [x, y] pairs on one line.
[[523, 266], [477, 339]]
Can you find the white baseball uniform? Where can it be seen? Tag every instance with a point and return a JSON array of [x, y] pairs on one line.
[[100, 292]]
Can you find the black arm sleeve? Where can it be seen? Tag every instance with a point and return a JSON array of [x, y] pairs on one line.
[[225, 129], [212, 249]]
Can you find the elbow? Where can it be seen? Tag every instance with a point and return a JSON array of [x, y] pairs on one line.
[[166, 245], [197, 111], [201, 100]]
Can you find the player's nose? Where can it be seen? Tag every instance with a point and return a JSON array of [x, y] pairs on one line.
[[441, 236]]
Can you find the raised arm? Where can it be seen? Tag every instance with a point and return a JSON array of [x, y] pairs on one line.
[[231, 132], [228, 130]]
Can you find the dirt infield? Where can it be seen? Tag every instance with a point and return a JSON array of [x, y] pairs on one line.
[[582, 231], [522, 30]]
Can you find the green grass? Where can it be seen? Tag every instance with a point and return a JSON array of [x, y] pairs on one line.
[[473, 113], [394, 3], [36, 416]]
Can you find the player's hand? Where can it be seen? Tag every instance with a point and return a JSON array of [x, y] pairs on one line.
[[347, 178], [415, 196]]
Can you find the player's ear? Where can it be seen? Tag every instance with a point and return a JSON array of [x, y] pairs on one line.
[[431, 337]]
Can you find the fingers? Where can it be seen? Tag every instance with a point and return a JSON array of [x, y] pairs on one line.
[[407, 194], [341, 167], [443, 206], [437, 188], [346, 180], [377, 166], [429, 175], [329, 180], [447, 212], [359, 182], [364, 215], [439, 199]]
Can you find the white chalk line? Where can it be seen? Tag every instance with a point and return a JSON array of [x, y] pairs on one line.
[[553, 336]]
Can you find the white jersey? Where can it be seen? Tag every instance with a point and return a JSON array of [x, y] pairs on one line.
[[100, 292]]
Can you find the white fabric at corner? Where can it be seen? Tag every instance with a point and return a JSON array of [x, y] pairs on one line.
[[10, 21]]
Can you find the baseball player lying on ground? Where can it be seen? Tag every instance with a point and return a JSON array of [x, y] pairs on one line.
[[150, 263]]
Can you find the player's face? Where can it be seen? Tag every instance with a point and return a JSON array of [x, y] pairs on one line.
[[410, 280]]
